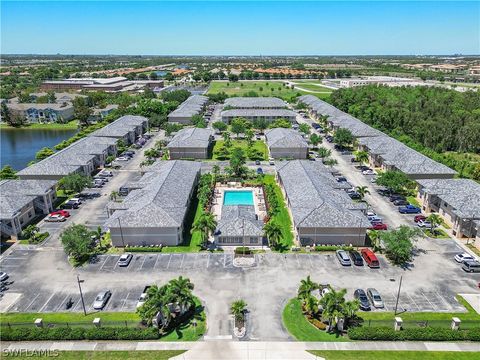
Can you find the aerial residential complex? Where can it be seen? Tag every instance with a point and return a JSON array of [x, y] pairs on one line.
[[256, 108], [193, 143], [154, 213], [194, 105], [286, 144], [322, 212], [113, 84]]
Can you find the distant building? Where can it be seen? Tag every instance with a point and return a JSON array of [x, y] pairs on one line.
[[255, 103], [269, 115], [42, 113], [99, 113], [194, 105], [194, 143], [22, 201], [154, 213], [113, 84], [286, 144]]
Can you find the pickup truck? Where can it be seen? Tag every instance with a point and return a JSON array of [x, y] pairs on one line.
[[409, 209]]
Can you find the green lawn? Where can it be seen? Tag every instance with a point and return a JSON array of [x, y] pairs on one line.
[[413, 200], [67, 317], [473, 248], [107, 355], [313, 87], [241, 87], [299, 327], [258, 145], [421, 316], [439, 234], [282, 217], [72, 125], [395, 355]]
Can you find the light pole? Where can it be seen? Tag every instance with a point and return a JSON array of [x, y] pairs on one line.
[[121, 232], [398, 294], [81, 294]]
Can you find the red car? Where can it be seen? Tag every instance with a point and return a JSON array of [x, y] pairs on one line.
[[418, 218], [378, 226], [64, 213]]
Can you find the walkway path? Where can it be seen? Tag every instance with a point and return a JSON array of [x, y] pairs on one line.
[[233, 350]]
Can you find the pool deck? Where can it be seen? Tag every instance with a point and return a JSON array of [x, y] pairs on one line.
[[258, 199]]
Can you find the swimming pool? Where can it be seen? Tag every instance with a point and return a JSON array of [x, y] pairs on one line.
[[238, 198]]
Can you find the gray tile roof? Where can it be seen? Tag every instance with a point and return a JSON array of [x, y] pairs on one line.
[[239, 220], [316, 198], [162, 197], [256, 102], [191, 137], [461, 194], [54, 106], [15, 194], [285, 138], [259, 113], [192, 106]]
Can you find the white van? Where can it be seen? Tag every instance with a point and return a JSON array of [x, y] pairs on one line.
[[471, 266]]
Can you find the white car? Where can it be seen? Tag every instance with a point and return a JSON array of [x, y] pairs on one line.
[[371, 213], [460, 258], [101, 300], [424, 223], [122, 158], [3, 276], [55, 218], [368, 172]]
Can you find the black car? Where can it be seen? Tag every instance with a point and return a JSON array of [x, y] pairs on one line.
[[354, 196], [341, 179], [356, 257], [400, 202], [361, 296], [70, 205], [395, 197]]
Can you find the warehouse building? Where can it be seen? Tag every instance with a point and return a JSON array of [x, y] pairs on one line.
[[286, 144], [194, 105], [155, 212], [192, 143], [322, 211]]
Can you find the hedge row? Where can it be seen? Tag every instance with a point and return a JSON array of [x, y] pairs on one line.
[[420, 334], [143, 249], [64, 333], [333, 248]]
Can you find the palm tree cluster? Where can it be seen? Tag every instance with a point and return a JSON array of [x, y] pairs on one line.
[[330, 308], [169, 302], [205, 189], [205, 224], [272, 199], [238, 310]]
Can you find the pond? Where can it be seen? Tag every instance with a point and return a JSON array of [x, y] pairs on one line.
[[19, 146]]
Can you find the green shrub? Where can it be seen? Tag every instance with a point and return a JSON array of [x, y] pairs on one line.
[[143, 249], [243, 250], [67, 333], [333, 248], [420, 334]]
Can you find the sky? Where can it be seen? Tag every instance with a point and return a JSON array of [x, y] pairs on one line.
[[240, 28]]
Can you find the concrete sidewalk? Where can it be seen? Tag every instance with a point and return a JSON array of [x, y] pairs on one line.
[[233, 350]]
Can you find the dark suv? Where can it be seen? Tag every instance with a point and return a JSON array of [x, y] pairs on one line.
[[356, 257], [361, 296]]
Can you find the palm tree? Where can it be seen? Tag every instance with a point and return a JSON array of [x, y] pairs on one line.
[[310, 305], [249, 134], [114, 195], [362, 191], [333, 306], [374, 236], [306, 287], [30, 232], [238, 309], [227, 138], [181, 289], [434, 220], [273, 232], [330, 162], [323, 152], [215, 173], [205, 224], [361, 156]]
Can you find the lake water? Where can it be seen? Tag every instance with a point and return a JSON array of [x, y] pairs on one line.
[[19, 146]]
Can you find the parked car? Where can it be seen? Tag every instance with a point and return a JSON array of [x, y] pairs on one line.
[[354, 195], [417, 218], [100, 179], [361, 296], [3, 276], [63, 213], [400, 202], [101, 299], [356, 257], [378, 226], [122, 158], [143, 297], [375, 298], [395, 197], [257, 162], [342, 256], [370, 258], [341, 179], [460, 258], [409, 209], [369, 172], [259, 171], [55, 218], [424, 224], [371, 213], [124, 260], [471, 266], [271, 161], [104, 173], [375, 219], [70, 205]]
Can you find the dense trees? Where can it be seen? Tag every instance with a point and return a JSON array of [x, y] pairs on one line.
[[343, 137], [7, 172], [176, 95], [399, 243], [77, 242], [44, 153], [395, 181], [74, 182]]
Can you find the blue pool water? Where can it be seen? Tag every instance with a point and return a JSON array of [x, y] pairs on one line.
[[238, 198]]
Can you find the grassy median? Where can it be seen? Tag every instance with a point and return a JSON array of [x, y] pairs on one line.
[[395, 355]]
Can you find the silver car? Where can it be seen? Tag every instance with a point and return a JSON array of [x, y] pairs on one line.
[[101, 300], [375, 298], [343, 257]]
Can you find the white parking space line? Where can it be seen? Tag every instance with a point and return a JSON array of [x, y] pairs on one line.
[[143, 262], [413, 301], [181, 264], [444, 301], [35, 298], [106, 258], [44, 305], [62, 302], [225, 260], [125, 301], [433, 305], [208, 260], [154, 265], [170, 258]]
